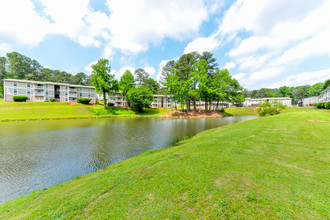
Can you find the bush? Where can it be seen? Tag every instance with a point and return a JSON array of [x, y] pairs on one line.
[[84, 100], [110, 104], [52, 99], [270, 108], [320, 105], [20, 98], [140, 97], [327, 105]]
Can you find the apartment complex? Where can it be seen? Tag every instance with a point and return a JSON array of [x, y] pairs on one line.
[[159, 101], [323, 97], [257, 101], [37, 91]]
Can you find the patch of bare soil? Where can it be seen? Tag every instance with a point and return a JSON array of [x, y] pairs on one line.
[[192, 114]]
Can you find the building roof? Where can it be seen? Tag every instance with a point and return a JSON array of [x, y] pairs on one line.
[[53, 83], [269, 98]]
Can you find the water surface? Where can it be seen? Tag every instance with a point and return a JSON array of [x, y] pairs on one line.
[[39, 154]]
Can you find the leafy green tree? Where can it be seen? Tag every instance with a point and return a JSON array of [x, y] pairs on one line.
[[283, 91], [140, 97], [315, 90], [78, 79], [3, 73], [126, 83], [152, 84], [103, 81], [326, 84], [141, 76]]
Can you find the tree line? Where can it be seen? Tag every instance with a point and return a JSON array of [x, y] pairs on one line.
[[196, 77], [18, 66], [295, 93]]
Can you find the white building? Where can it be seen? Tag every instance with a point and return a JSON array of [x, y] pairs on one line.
[[257, 101], [37, 91], [323, 97]]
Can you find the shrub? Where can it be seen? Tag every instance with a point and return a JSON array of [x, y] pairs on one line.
[[327, 105], [320, 105], [52, 99], [140, 97], [270, 108], [20, 98], [84, 100], [110, 104]]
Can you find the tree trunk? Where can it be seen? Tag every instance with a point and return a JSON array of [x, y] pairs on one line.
[[217, 105], [210, 105], [105, 99], [205, 103], [194, 104], [199, 105], [188, 104]]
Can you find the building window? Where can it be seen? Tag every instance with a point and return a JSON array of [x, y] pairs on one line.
[[28, 85], [80, 94], [15, 91], [28, 92], [89, 95], [66, 99], [29, 98], [47, 98], [66, 88], [66, 93], [47, 92], [89, 90], [15, 83], [46, 86], [80, 89]]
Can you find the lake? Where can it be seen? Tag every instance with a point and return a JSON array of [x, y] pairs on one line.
[[40, 154]]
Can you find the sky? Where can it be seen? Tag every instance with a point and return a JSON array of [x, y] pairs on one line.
[[263, 44]]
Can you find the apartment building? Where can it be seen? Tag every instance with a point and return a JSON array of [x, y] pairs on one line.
[[323, 97], [38, 91], [257, 101], [159, 101]]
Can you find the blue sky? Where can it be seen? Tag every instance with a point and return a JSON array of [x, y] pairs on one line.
[[266, 43]]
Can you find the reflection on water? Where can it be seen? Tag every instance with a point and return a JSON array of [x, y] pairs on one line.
[[39, 154]]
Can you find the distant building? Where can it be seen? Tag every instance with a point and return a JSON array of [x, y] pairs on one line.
[[323, 97], [257, 101], [37, 91]]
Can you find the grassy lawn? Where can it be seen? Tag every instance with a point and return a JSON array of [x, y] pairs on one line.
[[242, 110], [43, 110], [269, 167]]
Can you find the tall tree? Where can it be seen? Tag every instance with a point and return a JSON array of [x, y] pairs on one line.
[[126, 83], [152, 84], [78, 79], [141, 76], [3, 73], [140, 97], [103, 81]]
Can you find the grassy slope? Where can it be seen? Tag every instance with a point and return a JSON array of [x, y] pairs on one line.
[[44, 110], [242, 111], [271, 167]]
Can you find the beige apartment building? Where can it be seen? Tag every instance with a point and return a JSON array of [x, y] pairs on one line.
[[38, 91]]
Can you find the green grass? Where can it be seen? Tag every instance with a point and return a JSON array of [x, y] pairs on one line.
[[10, 111], [269, 167], [242, 111]]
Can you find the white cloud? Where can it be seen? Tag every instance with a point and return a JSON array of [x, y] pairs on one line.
[[202, 44], [137, 24], [304, 78], [229, 65], [21, 25], [272, 38]]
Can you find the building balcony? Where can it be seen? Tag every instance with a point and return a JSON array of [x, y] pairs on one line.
[[39, 94], [39, 88], [74, 95], [72, 90]]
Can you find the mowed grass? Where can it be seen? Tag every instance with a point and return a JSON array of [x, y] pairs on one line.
[[269, 167], [11, 111], [242, 110]]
